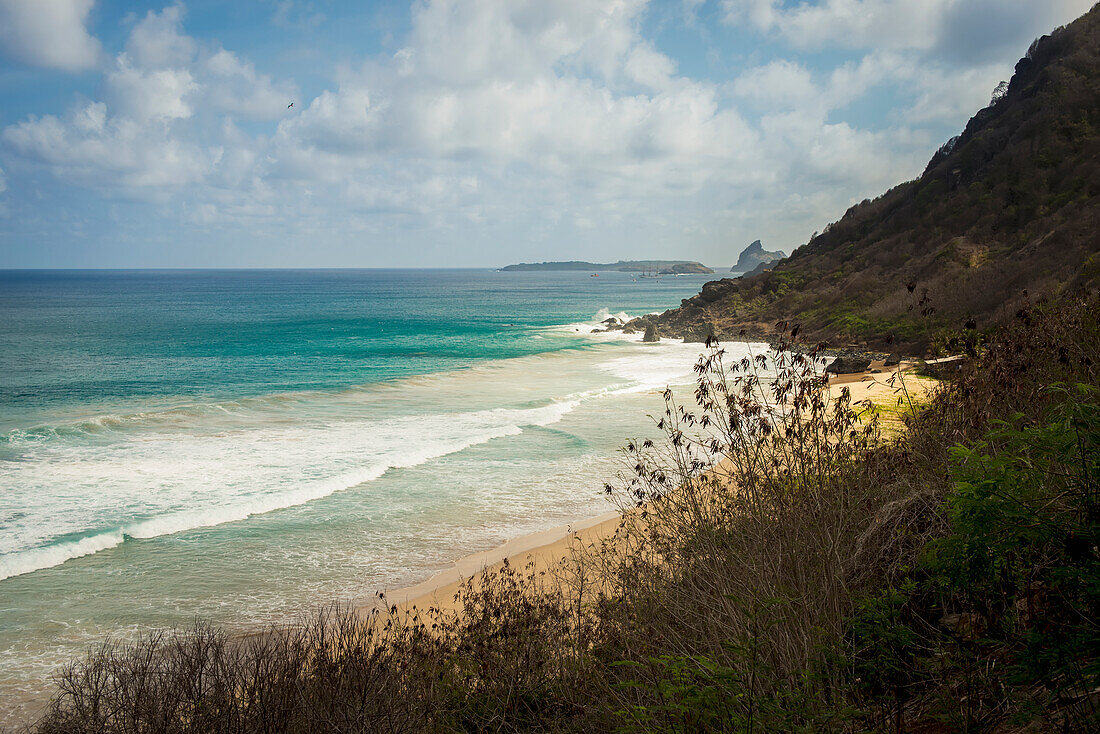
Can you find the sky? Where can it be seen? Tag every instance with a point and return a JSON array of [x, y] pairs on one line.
[[452, 133]]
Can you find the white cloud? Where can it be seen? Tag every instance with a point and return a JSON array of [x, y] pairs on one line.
[[132, 140], [90, 149], [542, 118], [862, 23], [569, 116], [145, 95], [143, 137], [234, 86], [786, 85], [970, 28], [944, 94], [779, 85], [557, 91], [158, 40], [48, 33]]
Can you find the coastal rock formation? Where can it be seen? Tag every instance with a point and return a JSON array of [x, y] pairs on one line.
[[651, 333], [755, 255]]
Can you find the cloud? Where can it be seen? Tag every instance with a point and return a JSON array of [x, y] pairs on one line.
[[778, 85], [158, 41], [539, 122], [569, 118], [560, 91], [144, 95], [976, 31], [234, 86], [48, 34], [845, 23], [144, 137], [968, 30], [130, 141], [92, 149]]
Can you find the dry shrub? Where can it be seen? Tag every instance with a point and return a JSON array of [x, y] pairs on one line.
[[756, 512]]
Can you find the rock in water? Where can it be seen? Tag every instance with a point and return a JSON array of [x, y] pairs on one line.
[[651, 333]]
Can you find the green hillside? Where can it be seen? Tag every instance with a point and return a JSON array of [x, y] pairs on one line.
[[1010, 205]]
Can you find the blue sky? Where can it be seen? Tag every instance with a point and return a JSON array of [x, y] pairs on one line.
[[473, 132]]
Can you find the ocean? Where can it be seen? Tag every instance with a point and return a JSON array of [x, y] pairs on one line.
[[242, 446]]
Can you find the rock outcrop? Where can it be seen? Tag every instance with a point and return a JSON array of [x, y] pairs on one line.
[[755, 255]]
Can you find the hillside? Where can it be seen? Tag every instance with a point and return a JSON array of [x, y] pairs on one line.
[[664, 267], [1010, 205]]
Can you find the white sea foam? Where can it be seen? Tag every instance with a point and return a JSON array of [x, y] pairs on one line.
[[586, 328], [17, 564], [158, 484], [195, 465], [668, 363], [605, 313]]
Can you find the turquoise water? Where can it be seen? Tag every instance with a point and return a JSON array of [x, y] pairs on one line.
[[244, 445]]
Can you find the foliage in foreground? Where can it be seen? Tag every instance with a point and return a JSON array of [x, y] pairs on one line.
[[820, 577]]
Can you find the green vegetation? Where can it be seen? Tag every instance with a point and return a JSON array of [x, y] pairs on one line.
[[826, 576]]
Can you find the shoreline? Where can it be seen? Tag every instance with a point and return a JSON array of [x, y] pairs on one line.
[[548, 548], [539, 551], [543, 549]]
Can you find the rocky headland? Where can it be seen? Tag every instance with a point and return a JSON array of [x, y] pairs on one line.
[[755, 259]]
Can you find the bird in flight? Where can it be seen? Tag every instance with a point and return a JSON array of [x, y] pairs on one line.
[[290, 105]]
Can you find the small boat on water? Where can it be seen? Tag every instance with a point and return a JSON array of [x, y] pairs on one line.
[[595, 275]]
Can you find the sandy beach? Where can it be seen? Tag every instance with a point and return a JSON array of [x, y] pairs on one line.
[[546, 550], [537, 552]]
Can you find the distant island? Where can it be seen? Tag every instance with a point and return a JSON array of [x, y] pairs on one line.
[[663, 267]]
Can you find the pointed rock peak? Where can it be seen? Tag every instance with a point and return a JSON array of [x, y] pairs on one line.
[[755, 255]]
